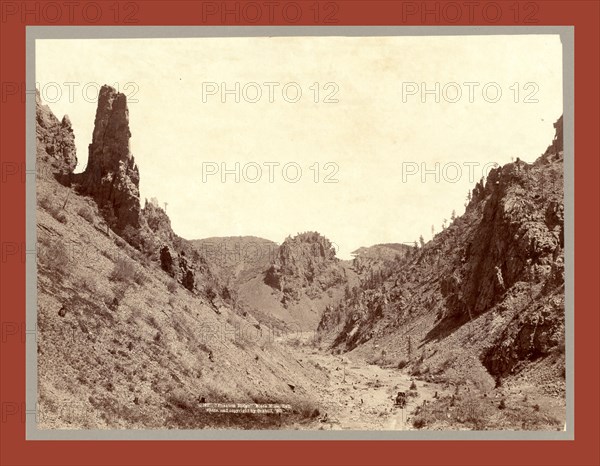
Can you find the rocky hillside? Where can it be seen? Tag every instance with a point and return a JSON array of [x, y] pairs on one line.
[[55, 141], [374, 264], [284, 287], [384, 251], [482, 304], [306, 264], [237, 258], [135, 330]]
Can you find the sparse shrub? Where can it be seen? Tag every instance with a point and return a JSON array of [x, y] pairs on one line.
[[472, 410], [54, 255], [306, 409], [413, 385], [87, 213], [152, 321], [402, 363], [210, 290], [502, 404], [124, 271], [58, 214], [419, 422], [536, 407], [172, 286], [45, 202]]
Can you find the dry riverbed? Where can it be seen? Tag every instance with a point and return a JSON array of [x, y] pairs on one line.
[[360, 396]]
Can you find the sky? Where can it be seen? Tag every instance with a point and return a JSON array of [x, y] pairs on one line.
[[366, 140]]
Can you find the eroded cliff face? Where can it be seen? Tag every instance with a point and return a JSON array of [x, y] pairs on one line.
[[111, 180], [518, 238], [119, 336], [55, 140], [305, 263], [111, 176], [498, 268]]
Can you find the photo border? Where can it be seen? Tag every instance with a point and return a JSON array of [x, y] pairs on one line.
[[147, 32]]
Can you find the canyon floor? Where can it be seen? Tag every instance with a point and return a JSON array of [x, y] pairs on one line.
[[359, 395]]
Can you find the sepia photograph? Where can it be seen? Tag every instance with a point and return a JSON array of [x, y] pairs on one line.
[[358, 233]]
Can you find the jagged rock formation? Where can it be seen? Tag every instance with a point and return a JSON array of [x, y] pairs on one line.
[[55, 140], [518, 238], [307, 263], [111, 176], [499, 268], [158, 221], [138, 354], [177, 266], [111, 179]]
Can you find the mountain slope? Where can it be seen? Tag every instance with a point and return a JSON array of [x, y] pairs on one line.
[[303, 279], [131, 333], [482, 304]]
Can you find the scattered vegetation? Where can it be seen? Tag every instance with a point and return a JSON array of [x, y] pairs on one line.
[[58, 214], [87, 213], [54, 255], [124, 270], [478, 412], [172, 286]]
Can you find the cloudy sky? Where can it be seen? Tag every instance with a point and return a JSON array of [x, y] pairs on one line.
[[331, 134]]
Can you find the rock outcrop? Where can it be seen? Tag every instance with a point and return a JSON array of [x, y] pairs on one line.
[[178, 267], [55, 141], [158, 221], [111, 176], [518, 238], [498, 268], [306, 263]]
